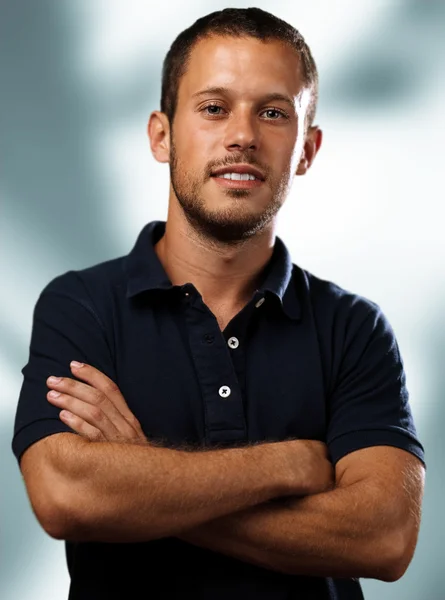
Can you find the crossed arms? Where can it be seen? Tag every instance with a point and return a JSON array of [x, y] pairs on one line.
[[366, 525]]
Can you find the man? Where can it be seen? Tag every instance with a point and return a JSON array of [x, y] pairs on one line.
[[232, 426]]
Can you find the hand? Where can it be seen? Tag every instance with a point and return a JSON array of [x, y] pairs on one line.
[[96, 409], [308, 464]]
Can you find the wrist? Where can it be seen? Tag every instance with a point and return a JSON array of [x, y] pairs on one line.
[[273, 460]]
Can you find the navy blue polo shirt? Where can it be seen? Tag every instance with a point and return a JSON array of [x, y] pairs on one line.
[[303, 359]]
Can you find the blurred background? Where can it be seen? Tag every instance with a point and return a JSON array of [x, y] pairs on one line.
[[78, 81]]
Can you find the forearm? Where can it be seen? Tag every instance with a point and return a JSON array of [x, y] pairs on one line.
[[127, 493], [333, 534]]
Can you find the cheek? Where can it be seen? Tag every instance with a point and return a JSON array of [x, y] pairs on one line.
[[281, 151], [204, 138], [191, 151], [284, 163]]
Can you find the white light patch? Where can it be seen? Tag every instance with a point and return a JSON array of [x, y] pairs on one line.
[[137, 186], [118, 35]]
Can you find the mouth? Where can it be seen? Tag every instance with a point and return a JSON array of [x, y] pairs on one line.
[[239, 184], [238, 176]]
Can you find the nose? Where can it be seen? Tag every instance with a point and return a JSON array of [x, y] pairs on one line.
[[241, 133]]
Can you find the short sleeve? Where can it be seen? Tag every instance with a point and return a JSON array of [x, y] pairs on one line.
[[369, 405], [65, 327]]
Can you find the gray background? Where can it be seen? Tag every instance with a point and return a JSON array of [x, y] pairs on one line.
[[78, 81]]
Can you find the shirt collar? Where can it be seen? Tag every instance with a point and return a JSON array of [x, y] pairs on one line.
[[145, 271]]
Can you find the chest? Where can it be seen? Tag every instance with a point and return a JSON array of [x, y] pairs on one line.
[[199, 378], [224, 314]]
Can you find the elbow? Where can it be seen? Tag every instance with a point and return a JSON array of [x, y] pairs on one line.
[[50, 519], [395, 556], [398, 567], [391, 571], [49, 515], [52, 526], [58, 519]]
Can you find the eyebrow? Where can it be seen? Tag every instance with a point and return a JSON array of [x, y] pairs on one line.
[[222, 91]]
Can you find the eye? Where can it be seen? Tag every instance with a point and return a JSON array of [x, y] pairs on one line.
[[213, 110], [274, 114]]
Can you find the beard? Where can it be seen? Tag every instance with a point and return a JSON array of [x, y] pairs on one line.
[[230, 225]]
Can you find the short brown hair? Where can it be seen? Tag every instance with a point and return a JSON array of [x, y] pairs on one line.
[[236, 22]]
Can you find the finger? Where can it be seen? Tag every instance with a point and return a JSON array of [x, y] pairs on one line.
[[90, 395], [91, 414], [101, 382], [81, 427]]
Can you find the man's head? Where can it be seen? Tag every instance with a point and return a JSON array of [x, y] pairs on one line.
[[235, 22], [239, 88]]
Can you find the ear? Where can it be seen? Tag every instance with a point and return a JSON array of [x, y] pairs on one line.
[[312, 145], [159, 133]]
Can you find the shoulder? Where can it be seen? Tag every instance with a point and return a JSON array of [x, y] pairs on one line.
[[330, 297], [90, 284], [339, 312], [96, 289]]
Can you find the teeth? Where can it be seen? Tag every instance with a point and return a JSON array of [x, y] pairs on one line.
[[238, 176]]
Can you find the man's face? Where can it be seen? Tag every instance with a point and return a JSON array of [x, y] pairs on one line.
[[240, 102]]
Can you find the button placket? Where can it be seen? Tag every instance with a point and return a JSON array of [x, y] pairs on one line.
[[223, 409]]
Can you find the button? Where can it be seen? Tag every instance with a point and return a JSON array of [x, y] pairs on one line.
[[259, 303], [233, 342], [209, 338], [224, 391]]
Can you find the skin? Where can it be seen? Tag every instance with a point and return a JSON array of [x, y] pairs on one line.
[[221, 239]]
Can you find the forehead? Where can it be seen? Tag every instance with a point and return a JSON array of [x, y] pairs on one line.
[[246, 65]]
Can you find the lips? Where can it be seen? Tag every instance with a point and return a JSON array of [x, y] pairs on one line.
[[239, 169], [238, 184]]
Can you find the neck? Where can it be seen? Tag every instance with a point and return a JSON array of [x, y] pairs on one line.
[[223, 274]]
